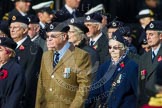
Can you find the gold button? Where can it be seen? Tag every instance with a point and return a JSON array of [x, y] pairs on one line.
[[50, 89], [52, 76]]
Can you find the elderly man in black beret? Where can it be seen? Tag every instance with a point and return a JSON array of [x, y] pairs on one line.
[[149, 61], [11, 75], [29, 57], [97, 39]]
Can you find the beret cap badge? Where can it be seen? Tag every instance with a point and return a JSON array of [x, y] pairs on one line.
[[13, 18], [114, 24], [88, 18], [51, 26], [151, 25], [72, 20]]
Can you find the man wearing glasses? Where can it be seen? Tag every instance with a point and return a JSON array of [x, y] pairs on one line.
[[65, 72]]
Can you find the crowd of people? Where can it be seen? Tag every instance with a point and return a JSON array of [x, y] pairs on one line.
[[67, 59]]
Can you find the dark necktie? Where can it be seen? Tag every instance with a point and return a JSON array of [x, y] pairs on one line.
[[74, 14], [153, 56], [91, 43], [56, 59]]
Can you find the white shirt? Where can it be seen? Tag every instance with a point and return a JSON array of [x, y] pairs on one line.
[[95, 39], [34, 38], [42, 25], [21, 41]]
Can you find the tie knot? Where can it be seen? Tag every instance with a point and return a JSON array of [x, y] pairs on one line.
[[57, 54], [91, 43]]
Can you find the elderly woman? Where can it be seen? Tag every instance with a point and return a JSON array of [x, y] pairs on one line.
[[78, 38], [115, 85], [11, 75]]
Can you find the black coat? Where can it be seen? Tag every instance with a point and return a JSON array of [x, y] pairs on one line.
[[101, 47], [147, 83], [13, 86], [29, 57]]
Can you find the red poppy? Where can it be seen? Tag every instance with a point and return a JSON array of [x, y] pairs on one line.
[[159, 58], [122, 65], [21, 47], [143, 72], [3, 74]]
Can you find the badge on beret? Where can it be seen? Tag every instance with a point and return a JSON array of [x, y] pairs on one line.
[[13, 18], [114, 24], [88, 18], [115, 38], [0, 41], [29, 19], [72, 20], [51, 26], [151, 25]]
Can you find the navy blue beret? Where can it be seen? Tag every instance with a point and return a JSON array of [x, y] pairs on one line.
[[33, 19], [21, 19], [77, 23], [115, 24], [57, 27], [8, 42], [95, 17], [154, 25]]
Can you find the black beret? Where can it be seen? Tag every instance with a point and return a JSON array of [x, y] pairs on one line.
[[154, 25], [115, 24], [4, 27], [57, 27], [33, 19], [77, 23], [118, 36], [21, 19], [95, 17], [159, 74], [7, 42]]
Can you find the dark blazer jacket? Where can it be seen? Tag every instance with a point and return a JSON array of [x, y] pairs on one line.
[[29, 57], [13, 86], [101, 47], [147, 84], [41, 42]]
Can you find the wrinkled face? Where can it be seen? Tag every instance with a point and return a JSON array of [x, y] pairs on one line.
[[93, 29], [110, 31], [4, 54], [145, 21], [115, 49], [45, 17], [33, 30], [23, 6], [74, 4], [56, 40], [17, 31], [153, 38]]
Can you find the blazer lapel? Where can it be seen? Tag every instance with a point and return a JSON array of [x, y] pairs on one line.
[[48, 61], [66, 56], [153, 66]]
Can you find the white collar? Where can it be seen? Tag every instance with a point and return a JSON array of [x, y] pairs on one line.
[[21, 41], [42, 24], [156, 50], [34, 38], [69, 9], [95, 39]]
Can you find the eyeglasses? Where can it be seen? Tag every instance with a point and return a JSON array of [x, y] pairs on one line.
[[55, 36], [114, 47]]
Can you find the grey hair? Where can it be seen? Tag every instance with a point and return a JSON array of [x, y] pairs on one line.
[[25, 26]]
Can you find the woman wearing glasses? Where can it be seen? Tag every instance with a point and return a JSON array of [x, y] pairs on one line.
[[115, 85]]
